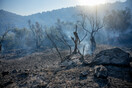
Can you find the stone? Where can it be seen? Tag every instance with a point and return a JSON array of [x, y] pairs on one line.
[[27, 70], [23, 75], [83, 75], [8, 83], [14, 71], [113, 56], [100, 72], [5, 73]]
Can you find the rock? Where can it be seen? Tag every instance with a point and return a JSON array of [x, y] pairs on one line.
[[27, 70], [43, 85], [87, 63], [130, 59], [14, 71], [23, 75], [130, 64], [5, 73], [114, 56], [19, 71], [8, 83], [100, 72], [123, 73], [83, 75]]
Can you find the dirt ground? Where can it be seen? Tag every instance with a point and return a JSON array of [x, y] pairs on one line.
[[41, 70]]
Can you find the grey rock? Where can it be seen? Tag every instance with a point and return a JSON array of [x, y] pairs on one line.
[[100, 72], [84, 73], [14, 71], [114, 56], [8, 83], [23, 75]]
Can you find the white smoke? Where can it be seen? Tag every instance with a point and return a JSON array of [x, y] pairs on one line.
[[84, 47]]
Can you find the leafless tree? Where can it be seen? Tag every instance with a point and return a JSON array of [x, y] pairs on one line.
[[61, 36], [50, 37], [37, 31], [77, 41], [64, 41], [91, 25], [2, 37]]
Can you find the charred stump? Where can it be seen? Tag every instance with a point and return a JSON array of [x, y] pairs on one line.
[[93, 43], [76, 41]]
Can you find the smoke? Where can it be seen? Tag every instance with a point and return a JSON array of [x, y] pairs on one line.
[[25, 39], [84, 48]]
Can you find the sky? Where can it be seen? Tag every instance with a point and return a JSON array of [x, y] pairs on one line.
[[28, 7]]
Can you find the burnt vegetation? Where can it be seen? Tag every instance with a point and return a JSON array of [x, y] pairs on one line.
[[69, 54], [65, 34]]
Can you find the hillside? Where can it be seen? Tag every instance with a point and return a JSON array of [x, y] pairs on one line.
[[50, 17]]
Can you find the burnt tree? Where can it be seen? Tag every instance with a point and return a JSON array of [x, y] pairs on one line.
[[2, 38], [91, 25], [76, 41], [61, 37], [50, 37], [37, 32]]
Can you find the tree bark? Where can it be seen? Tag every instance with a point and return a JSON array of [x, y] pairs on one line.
[[93, 43], [76, 41]]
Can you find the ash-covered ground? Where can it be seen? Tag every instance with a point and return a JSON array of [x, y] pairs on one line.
[[46, 70]]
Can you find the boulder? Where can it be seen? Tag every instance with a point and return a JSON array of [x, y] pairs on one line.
[[100, 72], [113, 56]]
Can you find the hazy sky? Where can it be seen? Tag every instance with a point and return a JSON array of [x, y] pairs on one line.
[[27, 7]]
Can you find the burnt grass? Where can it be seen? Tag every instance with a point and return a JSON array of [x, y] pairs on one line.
[[42, 70]]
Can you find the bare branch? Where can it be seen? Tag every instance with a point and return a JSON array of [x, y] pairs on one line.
[[83, 49], [84, 37], [54, 44], [63, 40], [3, 36]]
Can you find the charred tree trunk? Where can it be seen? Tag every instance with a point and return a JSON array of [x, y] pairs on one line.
[[75, 46], [93, 43], [38, 44], [76, 41]]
